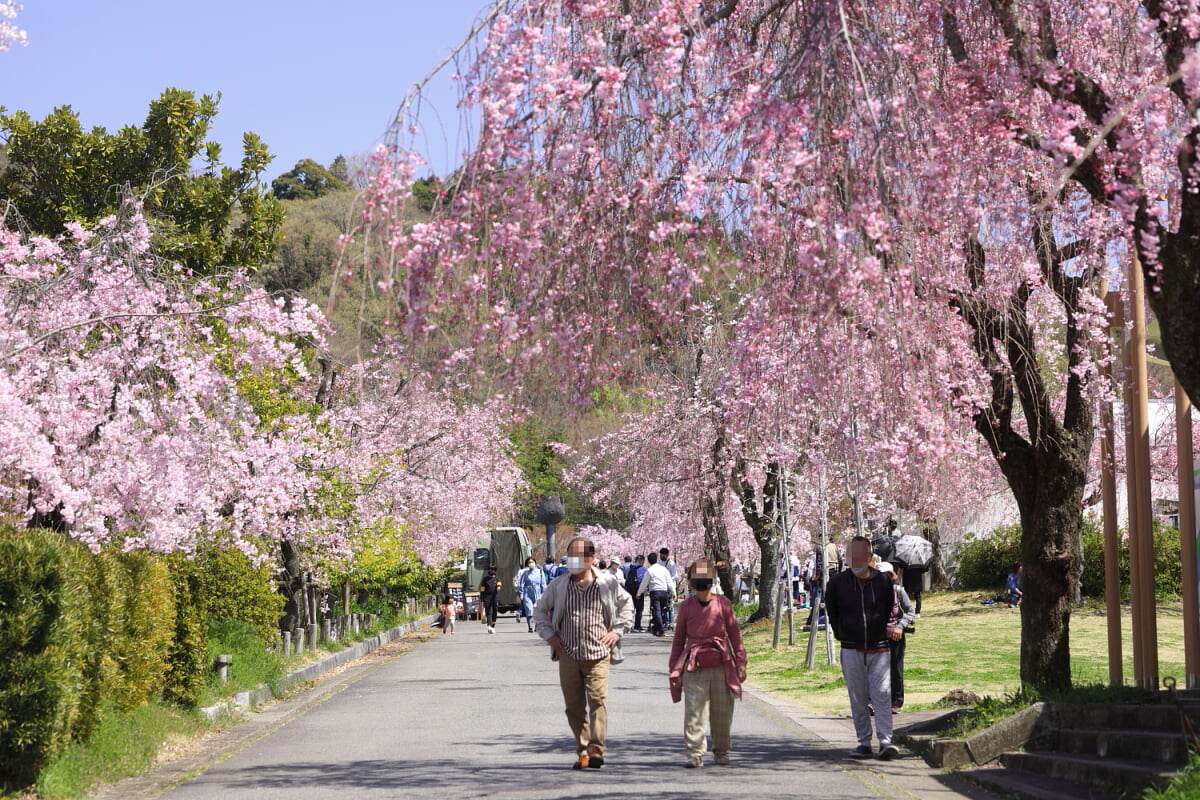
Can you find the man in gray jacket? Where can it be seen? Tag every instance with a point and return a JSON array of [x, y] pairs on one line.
[[582, 616]]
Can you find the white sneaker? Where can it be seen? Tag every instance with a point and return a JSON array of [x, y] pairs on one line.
[[491, 629]]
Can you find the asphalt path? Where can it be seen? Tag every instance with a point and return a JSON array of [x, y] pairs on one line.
[[481, 715]]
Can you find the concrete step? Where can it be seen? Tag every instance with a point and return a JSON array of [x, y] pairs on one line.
[[1011, 784], [1154, 747], [1142, 717], [1110, 774]]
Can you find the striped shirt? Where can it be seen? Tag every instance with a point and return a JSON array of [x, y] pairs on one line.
[[583, 622]]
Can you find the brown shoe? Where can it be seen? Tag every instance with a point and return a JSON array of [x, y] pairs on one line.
[[581, 762], [595, 758]]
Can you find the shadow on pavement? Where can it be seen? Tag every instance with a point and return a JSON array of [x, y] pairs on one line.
[[654, 764]]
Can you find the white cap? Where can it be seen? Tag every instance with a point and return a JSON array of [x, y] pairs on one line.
[[884, 566]]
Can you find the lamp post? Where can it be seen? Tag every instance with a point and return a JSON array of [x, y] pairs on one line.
[[550, 512]]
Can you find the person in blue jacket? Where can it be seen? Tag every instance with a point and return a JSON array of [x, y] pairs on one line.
[[1012, 586], [531, 582]]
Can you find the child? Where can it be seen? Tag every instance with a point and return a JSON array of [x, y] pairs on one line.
[[448, 614]]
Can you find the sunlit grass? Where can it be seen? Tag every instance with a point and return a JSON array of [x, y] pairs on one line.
[[958, 644], [122, 745]]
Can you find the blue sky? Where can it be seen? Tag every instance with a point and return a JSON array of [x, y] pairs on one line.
[[312, 79]]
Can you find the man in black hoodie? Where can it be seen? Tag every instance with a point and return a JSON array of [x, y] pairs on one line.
[[859, 604]]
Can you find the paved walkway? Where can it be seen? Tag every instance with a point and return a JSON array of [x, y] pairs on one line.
[[479, 715]]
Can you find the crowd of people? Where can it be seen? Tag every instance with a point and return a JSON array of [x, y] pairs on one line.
[[584, 617]]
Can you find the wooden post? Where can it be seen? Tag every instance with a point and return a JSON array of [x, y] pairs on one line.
[[1187, 536], [1108, 496], [1138, 468]]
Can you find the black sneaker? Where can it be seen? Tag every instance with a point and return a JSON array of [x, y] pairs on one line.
[[888, 752], [862, 751]]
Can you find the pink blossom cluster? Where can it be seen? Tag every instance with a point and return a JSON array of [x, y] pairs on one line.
[[122, 415], [796, 189], [141, 405], [10, 34]]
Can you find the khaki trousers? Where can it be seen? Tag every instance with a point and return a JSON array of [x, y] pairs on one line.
[[585, 687], [707, 702]]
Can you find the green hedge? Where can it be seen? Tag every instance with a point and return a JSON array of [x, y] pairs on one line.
[[983, 563], [82, 634], [188, 660], [44, 609], [230, 587]]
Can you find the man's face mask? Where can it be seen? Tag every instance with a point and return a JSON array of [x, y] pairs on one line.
[[859, 556], [576, 564], [702, 584]]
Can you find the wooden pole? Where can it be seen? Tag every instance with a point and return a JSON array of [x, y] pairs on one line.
[[1131, 498], [1108, 496], [1141, 529], [1187, 536]]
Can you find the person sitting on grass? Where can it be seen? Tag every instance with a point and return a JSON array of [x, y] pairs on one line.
[[1012, 586]]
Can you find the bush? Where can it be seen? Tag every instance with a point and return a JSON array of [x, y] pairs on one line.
[[144, 620], [229, 587], [1092, 583], [129, 632], [984, 563], [1168, 569], [188, 660], [43, 607]]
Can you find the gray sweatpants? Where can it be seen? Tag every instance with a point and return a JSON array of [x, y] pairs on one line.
[[869, 680]]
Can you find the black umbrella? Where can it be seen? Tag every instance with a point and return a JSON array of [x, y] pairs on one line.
[[884, 547]]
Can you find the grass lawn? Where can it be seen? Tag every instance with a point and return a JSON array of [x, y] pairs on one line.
[[958, 644]]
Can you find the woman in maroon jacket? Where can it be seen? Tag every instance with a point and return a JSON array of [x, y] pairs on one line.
[[708, 665]]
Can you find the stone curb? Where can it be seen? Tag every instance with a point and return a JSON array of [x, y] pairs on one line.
[[242, 702]]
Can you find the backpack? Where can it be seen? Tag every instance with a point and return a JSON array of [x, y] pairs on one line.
[[632, 581]]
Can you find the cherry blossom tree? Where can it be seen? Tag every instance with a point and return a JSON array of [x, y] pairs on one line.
[[925, 195], [1107, 95], [121, 387], [149, 408]]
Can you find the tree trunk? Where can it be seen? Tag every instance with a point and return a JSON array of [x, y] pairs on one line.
[[766, 533], [1176, 304], [1051, 521], [768, 578], [716, 540], [291, 586], [937, 568], [1046, 466]]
